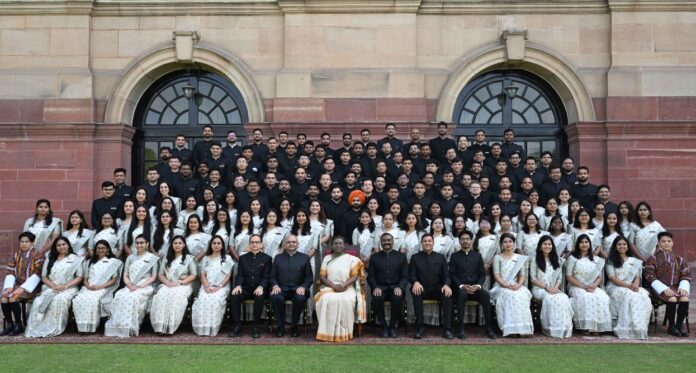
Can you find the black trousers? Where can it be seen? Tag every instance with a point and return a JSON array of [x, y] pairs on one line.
[[480, 296], [396, 302], [433, 293], [237, 306], [298, 304]]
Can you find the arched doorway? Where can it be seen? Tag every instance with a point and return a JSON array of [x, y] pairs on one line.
[[164, 111], [534, 111]]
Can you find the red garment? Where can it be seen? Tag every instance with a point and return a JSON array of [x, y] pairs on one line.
[[668, 268]]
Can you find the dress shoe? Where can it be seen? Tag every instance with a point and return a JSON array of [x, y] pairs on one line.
[[393, 333], [385, 333], [419, 332], [256, 333], [17, 329], [461, 334], [682, 332], [672, 330], [489, 333], [447, 334], [8, 329], [235, 332], [294, 333], [280, 332]]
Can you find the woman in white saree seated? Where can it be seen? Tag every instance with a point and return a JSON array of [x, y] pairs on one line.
[[511, 296], [546, 273], [630, 303], [102, 275], [130, 303], [61, 275], [216, 272], [177, 271], [584, 275], [340, 301]]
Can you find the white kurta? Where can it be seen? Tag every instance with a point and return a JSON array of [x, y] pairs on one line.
[[630, 310], [89, 306]]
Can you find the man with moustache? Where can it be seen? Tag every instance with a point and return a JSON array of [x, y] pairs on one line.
[[291, 278], [387, 274]]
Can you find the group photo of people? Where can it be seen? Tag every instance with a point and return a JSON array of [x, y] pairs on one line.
[[287, 236]]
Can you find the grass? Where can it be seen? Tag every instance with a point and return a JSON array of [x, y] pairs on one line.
[[231, 358]]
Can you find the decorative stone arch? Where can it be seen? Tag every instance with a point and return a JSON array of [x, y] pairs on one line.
[[162, 60], [546, 64]]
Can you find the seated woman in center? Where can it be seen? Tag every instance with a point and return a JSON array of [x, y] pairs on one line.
[[546, 273], [130, 303], [177, 272], [511, 296], [340, 301]]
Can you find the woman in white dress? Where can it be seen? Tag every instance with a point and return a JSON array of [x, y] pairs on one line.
[[573, 208], [389, 226], [216, 270], [107, 232], [273, 234], [598, 212], [584, 275], [505, 227], [528, 237], [534, 200], [476, 216], [122, 224], [436, 212], [561, 240], [486, 243], [196, 239], [231, 206], [627, 217], [510, 295], [44, 226], [546, 272], [410, 244], [564, 197], [61, 275], [210, 216], [417, 209], [78, 233], [102, 274], [139, 225], [523, 210], [308, 241], [443, 243], [398, 211], [366, 236], [177, 272], [320, 223], [141, 197], [611, 229], [164, 191], [257, 213], [166, 204], [163, 234], [583, 225], [494, 215], [631, 307], [286, 214], [549, 213], [130, 303], [223, 227], [191, 208], [458, 226], [374, 207], [242, 232], [646, 230]]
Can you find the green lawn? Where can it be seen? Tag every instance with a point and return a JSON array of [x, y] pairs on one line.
[[356, 359]]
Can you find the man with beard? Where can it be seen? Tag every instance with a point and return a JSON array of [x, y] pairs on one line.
[[232, 151], [583, 190], [351, 218], [201, 150], [387, 274], [441, 143], [185, 154], [569, 175], [258, 148], [187, 182]]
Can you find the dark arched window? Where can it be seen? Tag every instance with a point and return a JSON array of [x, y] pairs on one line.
[[534, 112], [165, 111]]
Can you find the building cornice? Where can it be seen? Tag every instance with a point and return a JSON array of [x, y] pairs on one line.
[[511, 7]]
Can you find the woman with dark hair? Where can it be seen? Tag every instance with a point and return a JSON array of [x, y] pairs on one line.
[[166, 204], [528, 237], [443, 243], [319, 223], [61, 275], [78, 233], [646, 229], [366, 236], [561, 240], [164, 190], [130, 303], [390, 226], [611, 229], [191, 208], [21, 283], [495, 213], [417, 210], [44, 226], [505, 227], [476, 216], [398, 211], [163, 234], [308, 240], [210, 211], [242, 232], [102, 275], [511, 296], [550, 211], [223, 227], [121, 223], [458, 226], [564, 197], [176, 273], [140, 197], [583, 225], [436, 212], [231, 206], [486, 243], [216, 269], [584, 275], [546, 272], [374, 206], [410, 243], [196, 239], [139, 225], [257, 213], [340, 300], [107, 231], [573, 208], [627, 218], [630, 303], [286, 215], [523, 210], [272, 233]]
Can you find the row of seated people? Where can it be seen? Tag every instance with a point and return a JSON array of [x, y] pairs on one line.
[[163, 287]]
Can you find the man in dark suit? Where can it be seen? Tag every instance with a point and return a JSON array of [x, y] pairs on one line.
[[387, 275], [291, 278]]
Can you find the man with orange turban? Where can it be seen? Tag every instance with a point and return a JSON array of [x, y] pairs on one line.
[[351, 219]]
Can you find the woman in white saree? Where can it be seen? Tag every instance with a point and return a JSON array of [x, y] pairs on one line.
[[630, 303], [584, 275], [511, 296], [108, 232], [61, 275], [546, 273], [646, 230], [130, 303], [102, 275], [78, 233], [272, 233], [196, 239], [44, 226], [177, 271], [340, 301], [216, 272]]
